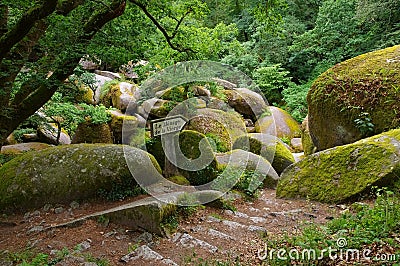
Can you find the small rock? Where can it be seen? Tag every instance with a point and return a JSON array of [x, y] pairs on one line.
[[259, 229], [310, 215], [74, 205], [47, 207], [85, 245], [58, 210], [35, 229], [146, 237], [219, 234]]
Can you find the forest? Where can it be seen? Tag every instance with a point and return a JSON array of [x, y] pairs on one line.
[[289, 145], [282, 45]]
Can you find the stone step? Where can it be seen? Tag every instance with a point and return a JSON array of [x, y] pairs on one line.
[[145, 214], [187, 241], [145, 254]]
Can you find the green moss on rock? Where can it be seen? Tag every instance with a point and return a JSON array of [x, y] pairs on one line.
[[280, 123], [269, 147], [180, 180], [341, 173], [66, 173], [367, 83], [87, 132], [306, 140], [196, 158], [227, 126], [263, 171], [116, 125]]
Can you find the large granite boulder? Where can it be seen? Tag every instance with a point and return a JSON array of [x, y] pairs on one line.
[[47, 133], [88, 132], [120, 95], [279, 123], [192, 156], [355, 99], [265, 174], [66, 173], [24, 147], [246, 102], [341, 173], [118, 120], [222, 127], [267, 146]]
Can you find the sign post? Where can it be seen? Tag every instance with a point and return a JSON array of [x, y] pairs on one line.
[[167, 125]]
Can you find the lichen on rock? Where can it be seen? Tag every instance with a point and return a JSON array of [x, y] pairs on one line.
[[342, 173], [279, 123], [368, 83], [227, 126], [66, 173], [269, 147]]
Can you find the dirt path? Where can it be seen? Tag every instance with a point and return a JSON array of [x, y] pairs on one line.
[[210, 234]]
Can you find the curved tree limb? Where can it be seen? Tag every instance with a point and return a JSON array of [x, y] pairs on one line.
[[24, 25], [164, 32], [12, 115]]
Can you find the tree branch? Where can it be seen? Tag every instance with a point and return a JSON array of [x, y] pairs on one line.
[[24, 25], [180, 22], [3, 19], [45, 91], [162, 29]]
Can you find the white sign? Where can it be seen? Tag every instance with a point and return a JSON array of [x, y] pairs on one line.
[[167, 125]]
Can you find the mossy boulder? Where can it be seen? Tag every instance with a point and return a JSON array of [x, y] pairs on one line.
[[278, 123], [246, 102], [194, 158], [116, 125], [226, 127], [246, 160], [85, 95], [88, 132], [341, 173], [177, 94], [120, 95], [269, 147], [47, 133], [365, 85], [66, 173], [180, 180], [155, 148], [156, 107], [11, 140], [306, 140], [24, 147]]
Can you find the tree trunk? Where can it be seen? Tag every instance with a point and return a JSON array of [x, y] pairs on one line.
[[37, 94]]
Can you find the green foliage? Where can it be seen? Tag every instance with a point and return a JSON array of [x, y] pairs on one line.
[[96, 114], [30, 257], [18, 133], [246, 181], [364, 124], [272, 80], [70, 115], [217, 144], [295, 100], [216, 90], [120, 191]]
